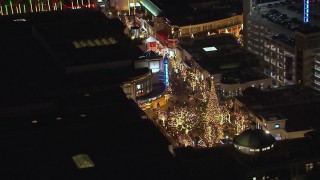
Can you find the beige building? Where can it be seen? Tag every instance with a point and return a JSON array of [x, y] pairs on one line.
[[167, 29], [230, 25]]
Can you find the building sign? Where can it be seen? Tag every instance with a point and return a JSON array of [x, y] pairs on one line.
[[166, 71], [306, 9], [165, 76]]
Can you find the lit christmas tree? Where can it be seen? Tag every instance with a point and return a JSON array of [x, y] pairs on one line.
[[215, 118]]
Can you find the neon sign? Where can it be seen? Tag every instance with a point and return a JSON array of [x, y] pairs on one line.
[[306, 9], [166, 71], [165, 76]]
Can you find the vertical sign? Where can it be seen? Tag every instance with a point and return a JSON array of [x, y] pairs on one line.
[[166, 71], [306, 11]]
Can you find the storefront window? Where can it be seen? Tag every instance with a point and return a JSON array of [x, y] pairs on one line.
[[139, 90]]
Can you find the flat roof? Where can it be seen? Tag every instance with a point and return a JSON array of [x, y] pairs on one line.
[[285, 40], [196, 12], [76, 37], [105, 126], [279, 160], [242, 76], [228, 54], [38, 51], [90, 40], [300, 105]]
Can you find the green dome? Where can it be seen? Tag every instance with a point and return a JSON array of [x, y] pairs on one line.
[[254, 138]]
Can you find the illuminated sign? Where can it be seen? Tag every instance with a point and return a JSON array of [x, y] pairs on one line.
[[165, 76], [134, 4], [210, 48], [306, 9], [166, 71]]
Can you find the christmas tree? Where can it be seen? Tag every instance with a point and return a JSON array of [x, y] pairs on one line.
[[213, 119]]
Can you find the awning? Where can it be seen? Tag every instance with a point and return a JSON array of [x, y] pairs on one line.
[[151, 39]]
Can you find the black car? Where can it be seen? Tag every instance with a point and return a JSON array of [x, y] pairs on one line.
[[283, 16], [271, 17], [284, 22]]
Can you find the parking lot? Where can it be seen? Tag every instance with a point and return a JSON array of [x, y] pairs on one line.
[[292, 11]]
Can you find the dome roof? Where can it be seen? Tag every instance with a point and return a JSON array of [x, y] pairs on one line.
[[254, 138]]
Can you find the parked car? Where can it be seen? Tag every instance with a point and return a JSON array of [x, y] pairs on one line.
[[284, 22], [271, 17], [270, 6], [283, 16]]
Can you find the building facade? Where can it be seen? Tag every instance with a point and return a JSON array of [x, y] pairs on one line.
[[285, 55]]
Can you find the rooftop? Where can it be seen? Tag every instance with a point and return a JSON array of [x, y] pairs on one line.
[[300, 105], [105, 126], [197, 12], [242, 76], [282, 39], [41, 48], [243, 166], [218, 53], [286, 18], [77, 37], [254, 138], [87, 41]]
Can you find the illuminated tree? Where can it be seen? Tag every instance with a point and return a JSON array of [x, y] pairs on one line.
[[215, 118], [183, 120], [185, 140], [240, 121]]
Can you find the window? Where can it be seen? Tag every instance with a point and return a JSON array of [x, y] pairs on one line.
[[205, 28], [277, 126], [309, 167], [139, 90]]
